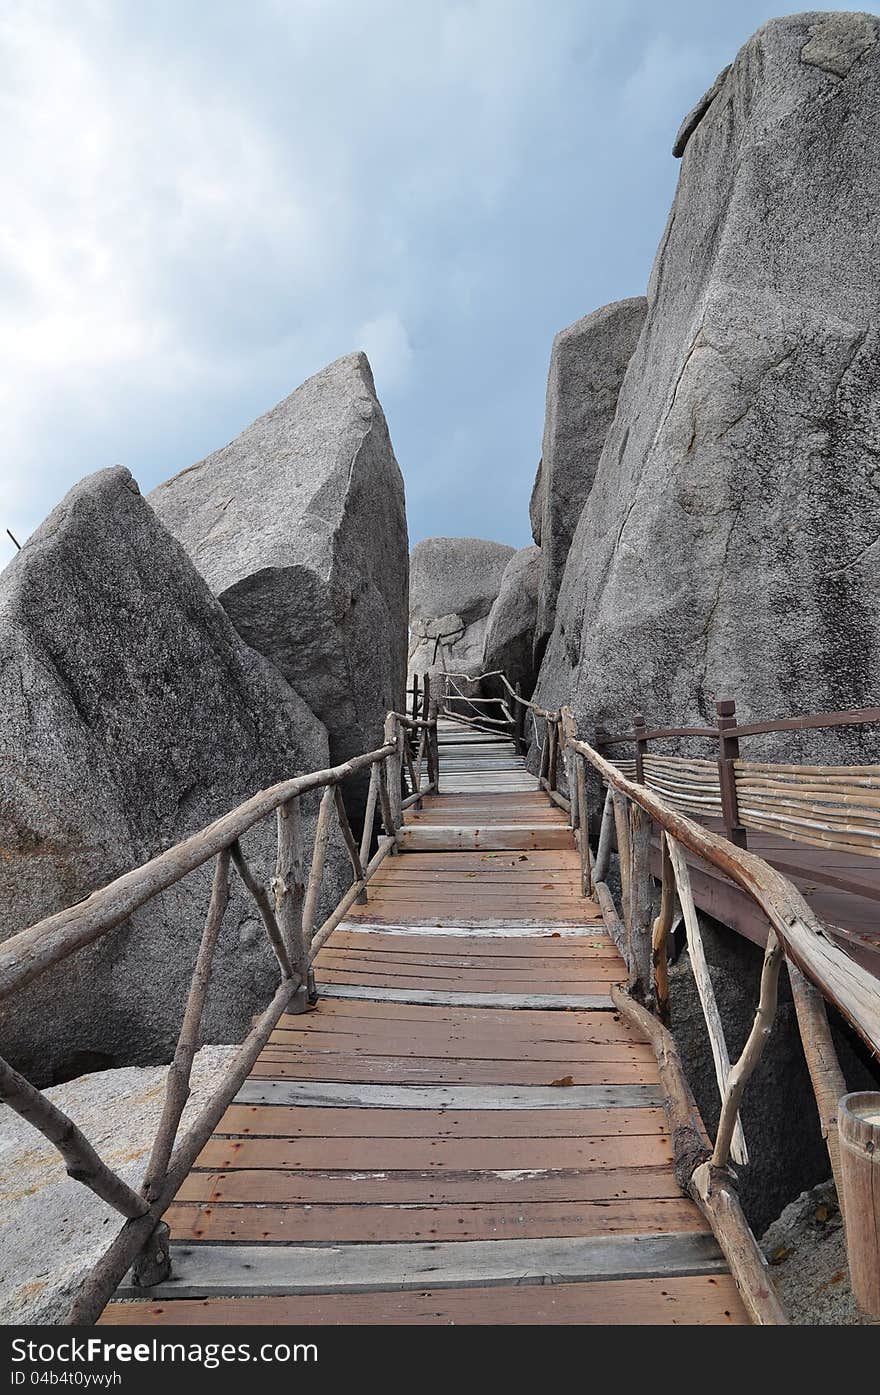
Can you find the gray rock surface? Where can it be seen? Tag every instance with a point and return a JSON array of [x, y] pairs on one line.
[[806, 1250], [536, 504], [453, 585], [510, 631], [53, 1230], [587, 364], [730, 542], [299, 527], [131, 715], [696, 114]]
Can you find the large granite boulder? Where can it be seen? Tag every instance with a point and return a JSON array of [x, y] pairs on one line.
[[453, 585], [299, 527], [131, 715], [53, 1230], [510, 630], [587, 364], [730, 543]]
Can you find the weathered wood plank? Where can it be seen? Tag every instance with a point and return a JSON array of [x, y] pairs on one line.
[[274, 1120], [477, 967], [470, 1048], [687, 1300], [414, 1188], [524, 1028], [564, 1002], [473, 949], [494, 836], [448, 980], [603, 1153], [594, 929], [307, 1223], [360, 1066], [333, 1095], [203, 1270]]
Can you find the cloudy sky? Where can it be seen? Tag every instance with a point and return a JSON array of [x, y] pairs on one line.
[[204, 203]]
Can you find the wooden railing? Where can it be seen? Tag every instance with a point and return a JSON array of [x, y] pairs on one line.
[[816, 805], [288, 909], [651, 794]]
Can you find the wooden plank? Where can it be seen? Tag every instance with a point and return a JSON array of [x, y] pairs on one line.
[[471, 901], [350, 1185], [687, 1300], [439, 836], [302, 1121], [342, 1095], [465, 818], [511, 1024], [463, 859], [502, 895], [477, 967], [494, 805], [560, 930], [359, 1066], [522, 1027], [307, 1223], [547, 879], [604, 1153], [448, 980], [563, 1002], [474, 949], [200, 1271], [460, 785], [440, 1045]]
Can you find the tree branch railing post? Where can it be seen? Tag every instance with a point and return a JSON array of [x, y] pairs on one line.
[[289, 890], [552, 753], [640, 732], [640, 919], [519, 725], [728, 752]]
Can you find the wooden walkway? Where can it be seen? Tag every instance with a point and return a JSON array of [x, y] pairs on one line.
[[463, 1130]]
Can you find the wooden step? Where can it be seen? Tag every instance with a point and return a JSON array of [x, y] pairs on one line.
[[441, 837], [201, 1271]]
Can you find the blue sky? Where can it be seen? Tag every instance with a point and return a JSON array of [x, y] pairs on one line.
[[204, 203]]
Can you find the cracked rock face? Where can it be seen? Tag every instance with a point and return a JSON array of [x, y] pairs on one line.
[[131, 715], [729, 545], [453, 585], [299, 527], [587, 364]]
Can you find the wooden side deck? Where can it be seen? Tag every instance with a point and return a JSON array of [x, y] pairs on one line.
[[842, 888], [463, 1130]]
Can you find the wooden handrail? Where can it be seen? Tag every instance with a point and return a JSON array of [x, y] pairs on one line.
[[849, 987], [27, 954], [290, 930], [498, 673]]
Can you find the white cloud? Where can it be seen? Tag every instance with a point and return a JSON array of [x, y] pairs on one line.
[[388, 348], [204, 203]]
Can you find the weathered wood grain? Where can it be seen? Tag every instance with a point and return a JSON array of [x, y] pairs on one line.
[[204, 1270], [688, 1301]]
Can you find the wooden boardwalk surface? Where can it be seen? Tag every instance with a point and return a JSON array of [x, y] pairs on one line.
[[463, 1130]]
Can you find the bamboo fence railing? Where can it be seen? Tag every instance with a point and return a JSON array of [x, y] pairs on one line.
[[288, 909]]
